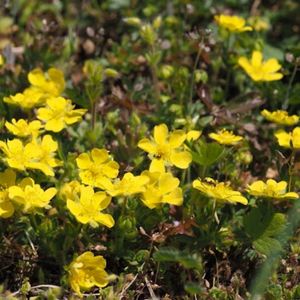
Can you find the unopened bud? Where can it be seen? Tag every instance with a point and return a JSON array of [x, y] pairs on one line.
[[134, 21]]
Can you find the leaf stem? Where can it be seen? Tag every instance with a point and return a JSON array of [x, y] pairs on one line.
[[287, 95]]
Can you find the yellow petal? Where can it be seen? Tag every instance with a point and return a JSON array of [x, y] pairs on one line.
[[161, 133], [99, 156], [157, 165], [147, 145], [174, 198], [256, 60], [271, 66], [106, 220], [83, 161], [168, 183], [177, 138], [181, 159], [245, 64]]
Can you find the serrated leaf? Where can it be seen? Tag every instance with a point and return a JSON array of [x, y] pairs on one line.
[[266, 245], [207, 154], [256, 221], [265, 227]]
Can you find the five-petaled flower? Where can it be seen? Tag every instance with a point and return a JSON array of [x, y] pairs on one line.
[[232, 23], [87, 271], [161, 188], [59, 113], [88, 206], [23, 128], [280, 117], [289, 139], [129, 185], [271, 189], [225, 137], [30, 195], [219, 191], [166, 149], [97, 168], [260, 70]]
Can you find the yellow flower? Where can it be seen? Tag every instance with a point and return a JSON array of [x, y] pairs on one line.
[[97, 168], [289, 139], [1, 60], [51, 83], [232, 23], [87, 209], [30, 195], [17, 156], [34, 155], [193, 135], [271, 189], [220, 191], [258, 23], [225, 137], [129, 185], [166, 149], [7, 179], [26, 100], [162, 188], [59, 113], [280, 117], [87, 271], [23, 128], [44, 151], [260, 70], [70, 190]]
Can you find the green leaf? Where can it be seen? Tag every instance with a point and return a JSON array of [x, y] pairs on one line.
[[187, 260], [272, 52], [207, 154], [193, 288], [265, 227]]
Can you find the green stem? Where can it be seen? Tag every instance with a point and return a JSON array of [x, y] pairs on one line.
[[287, 95], [291, 167], [154, 77], [124, 206], [194, 69], [215, 211], [94, 114], [228, 75]]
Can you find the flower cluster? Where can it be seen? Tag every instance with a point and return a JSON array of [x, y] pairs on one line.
[[24, 195]]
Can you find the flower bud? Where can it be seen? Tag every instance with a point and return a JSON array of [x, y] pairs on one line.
[[147, 34], [134, 21], [166, 71], [111, 73]]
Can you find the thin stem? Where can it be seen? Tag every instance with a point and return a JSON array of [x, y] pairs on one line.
[[94, 114], [291, 167], [228, 75], [194, 69], [215, 211], [287, 95], [124, 206], [154, 77]]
